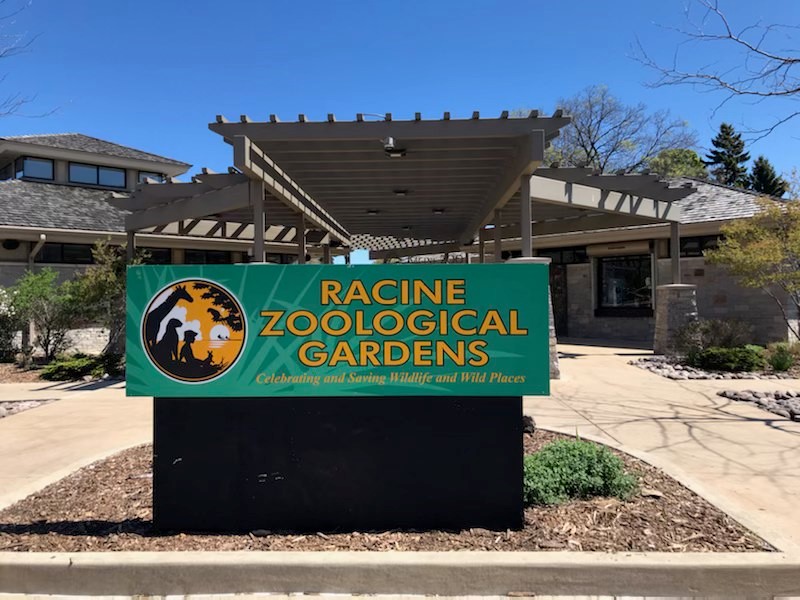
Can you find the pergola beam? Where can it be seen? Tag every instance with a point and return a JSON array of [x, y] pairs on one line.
[[581, 196], [444, 129], [530, 153], [255, 163], [194, 207]]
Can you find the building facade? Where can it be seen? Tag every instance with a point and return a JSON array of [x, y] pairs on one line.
[[57, 200], [603, 281], [56, 203]]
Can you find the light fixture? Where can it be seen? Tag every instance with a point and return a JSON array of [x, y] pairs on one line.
[[372, 211], [406, 227], [438, 211], [400, 192], [391, 149]]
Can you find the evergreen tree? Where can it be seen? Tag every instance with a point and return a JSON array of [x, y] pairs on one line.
[[763, 179], [727, 158]]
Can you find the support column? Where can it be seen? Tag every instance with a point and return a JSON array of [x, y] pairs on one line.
[[676, 307], [675, 251], [347, 258], [259, 223], [326, 254], [525, 216], [555, 367], [498, 237], [481, 245], [301, 240], [131, 246]]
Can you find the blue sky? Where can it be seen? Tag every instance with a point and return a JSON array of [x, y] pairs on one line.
[[153, 74]]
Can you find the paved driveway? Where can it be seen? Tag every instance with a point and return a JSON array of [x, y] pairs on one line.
[[745, 460]]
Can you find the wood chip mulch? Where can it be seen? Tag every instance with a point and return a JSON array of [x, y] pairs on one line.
[[10, 373], [107, 507]]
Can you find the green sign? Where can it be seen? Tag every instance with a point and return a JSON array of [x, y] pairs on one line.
[[331, 330]]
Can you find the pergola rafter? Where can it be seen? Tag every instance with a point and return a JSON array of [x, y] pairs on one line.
[[399, 187]]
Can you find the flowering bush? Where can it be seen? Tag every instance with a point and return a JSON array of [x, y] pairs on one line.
[[9, 324]]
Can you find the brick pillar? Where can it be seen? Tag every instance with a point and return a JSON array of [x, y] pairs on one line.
[[555, 370], [676, 307]]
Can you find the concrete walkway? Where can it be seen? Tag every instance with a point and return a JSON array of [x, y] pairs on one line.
[[743, 459], [42, 445]]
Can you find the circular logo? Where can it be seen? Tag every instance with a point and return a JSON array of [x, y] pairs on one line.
[[193, 330]]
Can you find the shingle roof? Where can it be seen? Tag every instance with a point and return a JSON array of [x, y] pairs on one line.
[[85, 143], [34, 204], [716, 202]]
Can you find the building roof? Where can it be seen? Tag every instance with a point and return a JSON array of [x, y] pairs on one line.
[[46, 205], [716, 202], [85, 143]]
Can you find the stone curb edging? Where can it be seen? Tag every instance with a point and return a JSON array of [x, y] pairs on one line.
[[430, 573], [774, 537]]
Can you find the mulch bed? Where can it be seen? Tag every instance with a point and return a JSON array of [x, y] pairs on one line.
[[10, 373], [107, 507]]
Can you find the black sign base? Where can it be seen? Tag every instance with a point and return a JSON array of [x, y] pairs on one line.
[[337, 464]]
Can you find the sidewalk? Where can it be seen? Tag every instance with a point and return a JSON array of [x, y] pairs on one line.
[[42, 445], [745, 460]]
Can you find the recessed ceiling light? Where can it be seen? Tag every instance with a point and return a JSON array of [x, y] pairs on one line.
[[406, 227], [372, 211], [400, 192], [438, 211]]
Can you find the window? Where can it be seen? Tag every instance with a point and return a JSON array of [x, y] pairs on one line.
[[565, 256], [207, 257], [558, 256], [96, 175], [624, 286], [73, 254], [695, 246], [158, 256], [280, 259], [150, 175], [36, 168]]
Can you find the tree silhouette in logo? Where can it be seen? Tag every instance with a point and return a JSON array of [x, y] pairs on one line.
[[232, 317]]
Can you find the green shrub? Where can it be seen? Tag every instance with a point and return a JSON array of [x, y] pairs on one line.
[[744, 358], [780, 356], [568, 469], [711, 333], [77, 366]]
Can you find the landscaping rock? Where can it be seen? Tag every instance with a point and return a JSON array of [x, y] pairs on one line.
[[672, 368], [785, 404], [3, 412]]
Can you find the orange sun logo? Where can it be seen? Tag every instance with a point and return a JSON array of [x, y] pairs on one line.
[[193, 330]]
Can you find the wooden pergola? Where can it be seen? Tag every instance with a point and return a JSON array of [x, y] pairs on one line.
[[397, 187]]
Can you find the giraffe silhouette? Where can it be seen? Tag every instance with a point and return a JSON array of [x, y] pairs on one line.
[[152, 322]]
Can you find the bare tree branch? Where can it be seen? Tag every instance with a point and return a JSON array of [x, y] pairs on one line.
[[607, 135], [750, 64], [12, 44]]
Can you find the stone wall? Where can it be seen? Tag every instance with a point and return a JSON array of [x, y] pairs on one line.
[[89, 340], [10, 272], [581, 321], [719, 296]]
